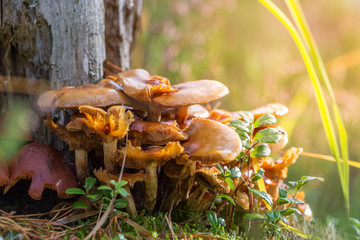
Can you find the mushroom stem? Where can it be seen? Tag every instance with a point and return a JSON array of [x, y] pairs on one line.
[[154, 113], [182, 114], [130, 208], [151, 186], [195, 199], [81, 163], [110, 147]]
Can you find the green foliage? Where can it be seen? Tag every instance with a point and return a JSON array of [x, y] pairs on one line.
[[217, 223], [103, 193]]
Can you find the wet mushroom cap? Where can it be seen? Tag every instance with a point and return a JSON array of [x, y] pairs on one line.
[[138, 84], [46, 167], [157, 133], [190, 93], [276, 109], [109, 83], [211, 142], [90, 94]]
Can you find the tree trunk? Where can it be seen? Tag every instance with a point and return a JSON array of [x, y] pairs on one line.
[[49, 44]]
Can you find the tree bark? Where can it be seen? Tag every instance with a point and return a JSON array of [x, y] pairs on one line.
[[49, 44]]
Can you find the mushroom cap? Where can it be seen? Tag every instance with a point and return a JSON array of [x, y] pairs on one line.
[[115, 122], [220, 115], [211, 142], [140, 159], [75, 139], [4, 174], [109, 83], [89, 94], [198, 111], [210, 176], [158, 133], [276, 109], [103, 176], [138, 84], [190, 93], [46, 166]]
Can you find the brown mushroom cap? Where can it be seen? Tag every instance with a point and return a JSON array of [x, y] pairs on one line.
[[220, 115], [109, 83], [276, 109], [46, 166], [157, 133], [138, 84], [190, 93], [140, 159], [4, 174], [198, 111], [90, 94], [211, 142]]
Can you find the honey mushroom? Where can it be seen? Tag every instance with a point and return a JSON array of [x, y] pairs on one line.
[[45, 166], [73, 97], [209, 142], [4, 174], [110, 125], [149, 159], [276, 109]]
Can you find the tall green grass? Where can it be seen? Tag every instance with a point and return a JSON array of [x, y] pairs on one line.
[[304, 40]]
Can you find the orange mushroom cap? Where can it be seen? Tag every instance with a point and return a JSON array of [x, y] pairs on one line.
[[211, 142], [276, 109], [138, 84], [4, 174], [190, 93], [103, 176], [139, 159], [46, 166]]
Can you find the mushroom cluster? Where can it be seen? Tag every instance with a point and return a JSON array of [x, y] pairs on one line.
[[169, 144]]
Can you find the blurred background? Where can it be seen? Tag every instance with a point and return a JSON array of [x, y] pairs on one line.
[[242, 45]]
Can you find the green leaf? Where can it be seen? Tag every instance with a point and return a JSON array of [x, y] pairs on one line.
[[89, 183], [283, 192], [220, 168], [235, 172], [212, 218], [273, 215], [247, 116], [243, 135], [263, 195], [242, 126], [106, 188], [281, 200], [230, 182], [79, 204], [257, 176], [94, 197], [246, 143], [122, 192], [254, 216], [227, 197], [267, 119], [287, 212], [268, 135], [261, 150], [75, 191], [307, 179], [120, 203]]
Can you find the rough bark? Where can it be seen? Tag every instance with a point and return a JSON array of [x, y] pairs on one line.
[[49, 44]]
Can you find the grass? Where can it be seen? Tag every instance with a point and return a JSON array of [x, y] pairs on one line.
[[316, 70]]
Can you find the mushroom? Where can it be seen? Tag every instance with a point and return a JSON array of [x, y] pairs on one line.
[[4, 174], [276, 109], [89, 94], [131, 178], [46, 166], [73, 135], [209, 176], [156, 133], [149, 160], [220, 115], [111, 126], [109, 83], [138, 84], [195, 111], [188, 93], [211, 142]]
